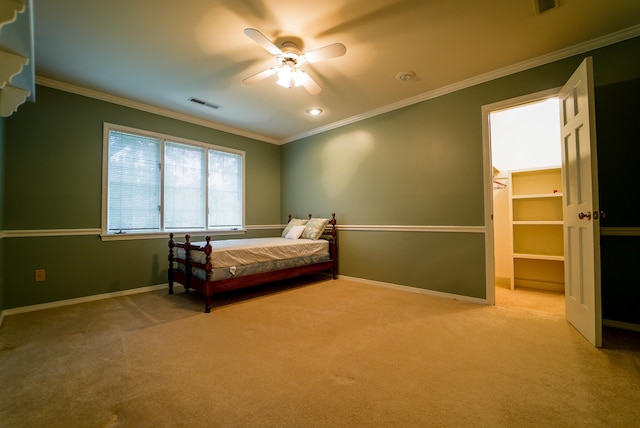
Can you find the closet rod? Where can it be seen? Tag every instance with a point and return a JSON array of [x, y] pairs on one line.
[[498, 185]]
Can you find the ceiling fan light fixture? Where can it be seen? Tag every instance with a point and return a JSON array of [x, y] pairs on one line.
[[285, 75], [288, 59], [299, 77], [289, 75]]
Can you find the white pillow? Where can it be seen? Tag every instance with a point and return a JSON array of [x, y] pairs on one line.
[[295, 232], [293, 222], [315, 228]]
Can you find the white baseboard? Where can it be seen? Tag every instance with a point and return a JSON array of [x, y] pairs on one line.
[[503, 281], [622, 325], [57, 304], [86, 299], [605, 322], [95, 297], [418, 290]]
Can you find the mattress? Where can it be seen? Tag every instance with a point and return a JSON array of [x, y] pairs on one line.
[[240, 252], [233, 271]]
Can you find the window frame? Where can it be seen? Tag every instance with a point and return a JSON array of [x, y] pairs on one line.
[[163, 232]]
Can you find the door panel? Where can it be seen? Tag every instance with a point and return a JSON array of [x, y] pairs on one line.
[[580, 204]]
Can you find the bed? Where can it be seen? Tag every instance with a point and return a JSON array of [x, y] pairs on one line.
[[306, 246]]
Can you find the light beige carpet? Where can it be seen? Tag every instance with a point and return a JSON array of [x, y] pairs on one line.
[[551, 302], [317, 354]]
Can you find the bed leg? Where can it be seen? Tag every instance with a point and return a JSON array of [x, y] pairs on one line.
[[333, 249], [207, 304], [172, 244]]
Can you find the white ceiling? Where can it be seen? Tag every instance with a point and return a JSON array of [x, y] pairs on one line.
[[159, 53]]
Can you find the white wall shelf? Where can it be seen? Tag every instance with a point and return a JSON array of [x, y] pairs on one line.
[[17, 72], [535, 215]]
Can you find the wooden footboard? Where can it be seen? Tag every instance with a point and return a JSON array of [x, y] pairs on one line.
[[210, 287]]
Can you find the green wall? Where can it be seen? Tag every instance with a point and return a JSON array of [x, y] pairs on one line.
[[53, 167], [2, 120], [418, 166], [617, 114], [422, 166]]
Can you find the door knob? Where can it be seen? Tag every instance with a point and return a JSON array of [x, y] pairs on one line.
[[586, 215]]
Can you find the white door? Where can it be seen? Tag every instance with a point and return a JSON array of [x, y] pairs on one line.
[[581, 212]]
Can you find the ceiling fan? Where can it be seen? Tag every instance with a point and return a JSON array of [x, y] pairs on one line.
[[289, 60]]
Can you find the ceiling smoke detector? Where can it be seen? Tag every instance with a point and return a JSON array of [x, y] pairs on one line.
[[404, 76]]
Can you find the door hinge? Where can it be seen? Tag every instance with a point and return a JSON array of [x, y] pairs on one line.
[[599, 215]]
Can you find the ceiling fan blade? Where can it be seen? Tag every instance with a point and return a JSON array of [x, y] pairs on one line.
[[310, 85], [262, 40], [327, 52], [259, 76]]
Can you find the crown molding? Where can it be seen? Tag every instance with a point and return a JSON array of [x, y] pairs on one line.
[[102, 96], [578, 49]]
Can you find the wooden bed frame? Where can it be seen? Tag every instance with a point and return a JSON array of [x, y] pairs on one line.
[[210, 287]]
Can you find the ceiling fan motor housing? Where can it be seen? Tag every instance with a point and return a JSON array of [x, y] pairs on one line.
[[290, 52]]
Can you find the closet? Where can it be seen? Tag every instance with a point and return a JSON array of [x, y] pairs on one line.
[[527, 209], [535, 218]]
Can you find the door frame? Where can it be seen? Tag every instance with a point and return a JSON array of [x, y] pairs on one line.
[[488, 179]]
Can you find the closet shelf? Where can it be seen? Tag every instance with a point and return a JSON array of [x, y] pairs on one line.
[[538, 222], [535, 215], [538, 257], [538, 196]]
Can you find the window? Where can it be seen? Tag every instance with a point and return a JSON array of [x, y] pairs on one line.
[[156, 183]]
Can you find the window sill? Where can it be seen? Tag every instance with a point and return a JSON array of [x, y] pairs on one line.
[[179, 234]]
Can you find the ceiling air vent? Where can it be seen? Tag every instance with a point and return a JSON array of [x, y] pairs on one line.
[[543, 6], [204, 103]]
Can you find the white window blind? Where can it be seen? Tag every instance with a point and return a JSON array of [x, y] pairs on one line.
[[155, 183], [134, 183], [184, 187], [225, 190]]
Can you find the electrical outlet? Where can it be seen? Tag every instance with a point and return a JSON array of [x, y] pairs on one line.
[[40, 275]]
